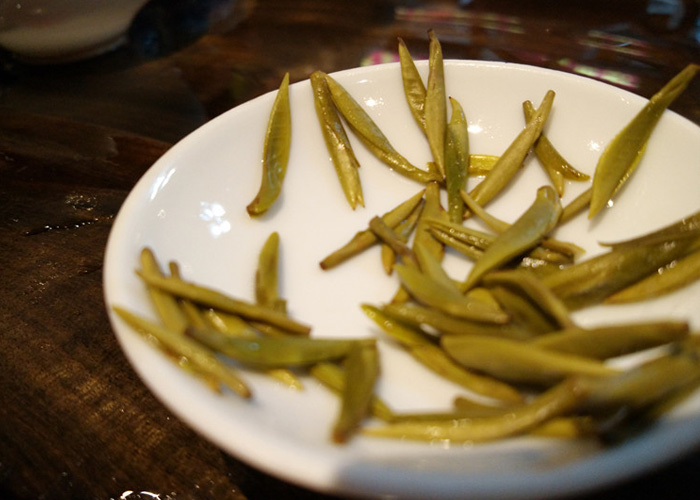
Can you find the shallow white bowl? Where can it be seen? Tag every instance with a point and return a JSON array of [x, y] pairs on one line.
[[190, 206]]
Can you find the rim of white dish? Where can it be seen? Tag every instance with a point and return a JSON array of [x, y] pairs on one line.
[[380, 479]]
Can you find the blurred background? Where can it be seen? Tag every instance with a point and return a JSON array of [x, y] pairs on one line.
[[90, 98], [206, 56]]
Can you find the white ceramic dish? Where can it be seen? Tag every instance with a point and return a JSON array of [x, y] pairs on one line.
[[190, 206]]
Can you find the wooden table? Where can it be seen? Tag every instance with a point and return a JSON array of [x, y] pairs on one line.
[[75, 420]]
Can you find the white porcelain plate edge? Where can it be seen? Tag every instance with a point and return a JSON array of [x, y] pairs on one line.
[[190, 206]]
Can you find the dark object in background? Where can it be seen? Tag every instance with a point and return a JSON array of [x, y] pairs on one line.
[[672, 15], [165, 26], [661, 16]]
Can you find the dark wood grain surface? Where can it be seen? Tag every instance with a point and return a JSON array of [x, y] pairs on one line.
[[75, 420]]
